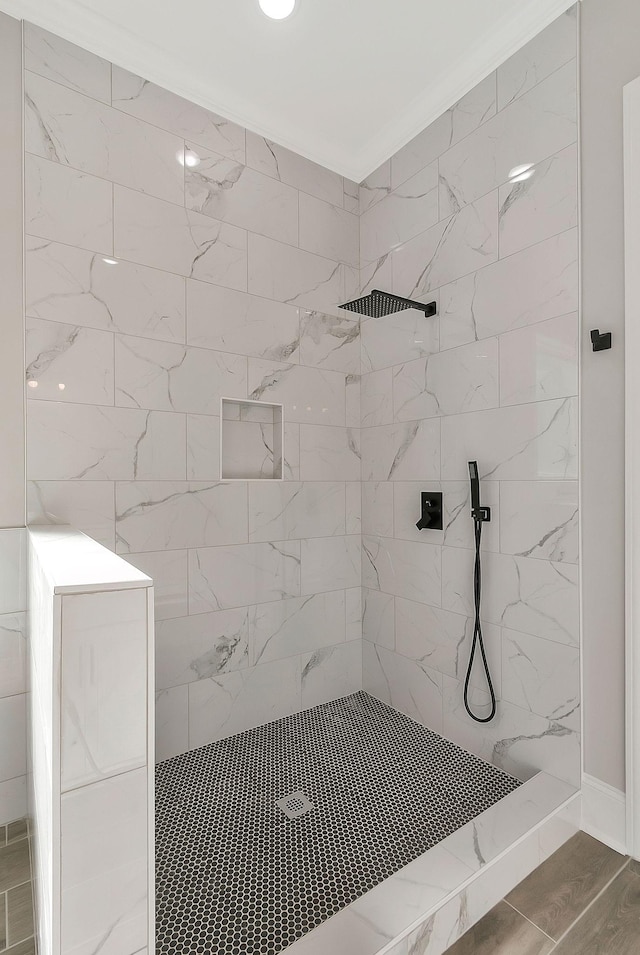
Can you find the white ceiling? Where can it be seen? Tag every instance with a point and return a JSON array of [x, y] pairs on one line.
[[343, 82]]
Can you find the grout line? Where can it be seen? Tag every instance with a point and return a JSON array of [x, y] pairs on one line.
[[522, 915]]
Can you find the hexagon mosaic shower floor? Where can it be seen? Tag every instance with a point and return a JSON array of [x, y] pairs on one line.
[[236, 876]]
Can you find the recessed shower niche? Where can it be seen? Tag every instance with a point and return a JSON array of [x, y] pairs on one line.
[[251, 440]]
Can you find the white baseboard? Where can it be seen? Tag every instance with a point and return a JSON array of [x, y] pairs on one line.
[[604, 813]]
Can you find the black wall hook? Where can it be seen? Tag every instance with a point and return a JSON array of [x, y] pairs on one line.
[[600, 341]]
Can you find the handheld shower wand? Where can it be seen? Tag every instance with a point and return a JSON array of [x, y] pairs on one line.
[[479, 515]]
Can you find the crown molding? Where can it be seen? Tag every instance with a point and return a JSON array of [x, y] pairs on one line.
[[72, 20]]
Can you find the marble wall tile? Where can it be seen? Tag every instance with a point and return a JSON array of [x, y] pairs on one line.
[[203, 448], [329, 341], [13, 570], [539, 283], [225, 577], [70, 285], [169, 237], [68, 206], [68, 363], [87, 442], [350, 196], [328, 230], [13, 737], [328, 453], [450, 382], [292, 510], [538, 58], [280, 163], [377, 508], [231, 321], [95, 866], [463, 243], [539, 597], [524, 442], [89, 506], [540, 519], [442, 641], [541, 676], [139, 97], [376, 275], [378, 624], [353, 613], [103, 713], [160, 515], [518, 741], [541, 206], [397, 338], [231, 192], [77, 131], [13, 797], [249, 449], [399, 216], [407, 685], [538, 124], [458, 527], [540, 361], [13, 654], [72, 66], [330, 673], [168, 570], [285, 628], [294, 276], [233, 702], [164, 376], [375, 187], [172, 722], [474, 109], [352, 401], [402, 568], [402, 452], [376, 397], [201, 647], [309, 395], [330, 563], [353, 498]]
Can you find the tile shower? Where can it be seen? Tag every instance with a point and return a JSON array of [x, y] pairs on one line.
[[156, 289]]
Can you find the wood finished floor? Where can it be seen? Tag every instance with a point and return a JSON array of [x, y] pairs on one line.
[[16, 903], [584, 900]]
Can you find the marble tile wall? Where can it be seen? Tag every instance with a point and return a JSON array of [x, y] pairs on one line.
[[154, 288], [13, 675], [495, 378]]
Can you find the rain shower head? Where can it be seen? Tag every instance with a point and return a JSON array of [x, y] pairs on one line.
[[378, 304]]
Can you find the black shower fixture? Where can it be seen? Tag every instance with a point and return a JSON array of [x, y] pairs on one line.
[[378, 304], [480, 516]]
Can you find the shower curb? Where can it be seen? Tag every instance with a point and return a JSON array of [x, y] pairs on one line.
[[418, 911]]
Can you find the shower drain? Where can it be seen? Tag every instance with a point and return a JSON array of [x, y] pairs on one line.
[[294, 805]]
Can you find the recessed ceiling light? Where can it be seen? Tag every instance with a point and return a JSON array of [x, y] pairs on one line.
[[109, 261], [520, 173], [32, 383], [277, 9], [188, 158]]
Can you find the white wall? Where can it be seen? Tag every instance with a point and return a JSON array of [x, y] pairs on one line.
[[610, 58]]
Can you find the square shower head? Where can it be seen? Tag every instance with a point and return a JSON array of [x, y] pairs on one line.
[[378, 304]]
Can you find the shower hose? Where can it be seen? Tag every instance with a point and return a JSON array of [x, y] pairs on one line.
[[478, 643]]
